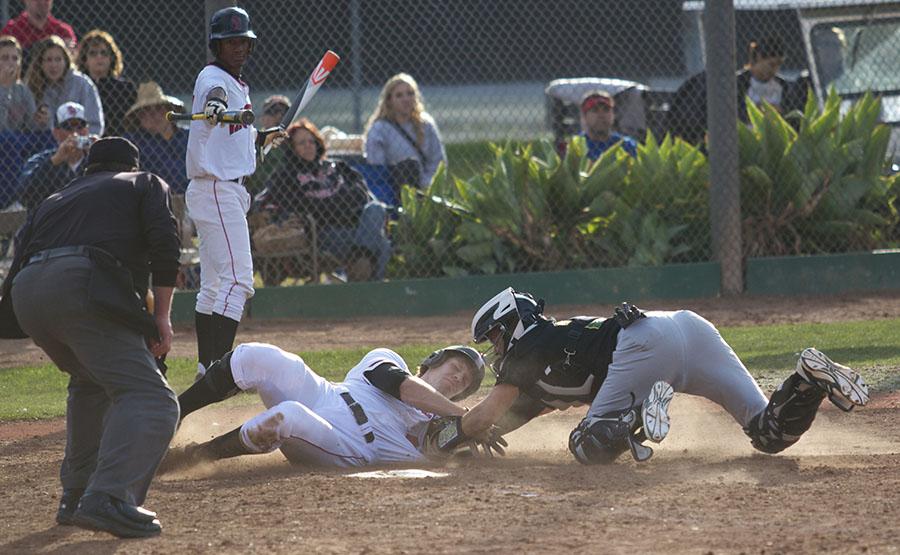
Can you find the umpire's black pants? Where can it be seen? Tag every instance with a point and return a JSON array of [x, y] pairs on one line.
[[121, 413]]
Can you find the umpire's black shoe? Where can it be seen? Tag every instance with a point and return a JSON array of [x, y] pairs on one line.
[[99, 511], [67, 505]]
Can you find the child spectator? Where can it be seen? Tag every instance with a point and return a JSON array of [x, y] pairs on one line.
[[400, 130], [163, 145], [16, 102], [100, 59], [53, 81]]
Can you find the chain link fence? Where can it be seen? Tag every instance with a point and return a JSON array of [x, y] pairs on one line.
[[801, 171]]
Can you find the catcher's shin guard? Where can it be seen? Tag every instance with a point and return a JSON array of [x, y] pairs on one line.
[[601, 439], [790, 412], [216, 385]]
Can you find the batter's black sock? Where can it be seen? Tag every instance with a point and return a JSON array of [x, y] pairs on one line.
[[228, 445], [217, 385], [224, 331], [203, 324]]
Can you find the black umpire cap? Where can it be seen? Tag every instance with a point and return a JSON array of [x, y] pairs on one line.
[[113, 154]]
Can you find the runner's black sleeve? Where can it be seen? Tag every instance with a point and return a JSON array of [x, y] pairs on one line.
[[387, 377]]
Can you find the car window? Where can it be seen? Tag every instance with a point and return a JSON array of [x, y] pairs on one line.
[[858, 56]]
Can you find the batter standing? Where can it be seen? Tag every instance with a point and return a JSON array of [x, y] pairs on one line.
[[378, 414], [219, 158]]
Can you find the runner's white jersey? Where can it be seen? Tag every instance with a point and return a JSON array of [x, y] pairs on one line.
[[399, 427], [225, 152]]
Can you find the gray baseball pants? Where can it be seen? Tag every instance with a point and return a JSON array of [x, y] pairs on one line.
[[686, 351], [121, 413]]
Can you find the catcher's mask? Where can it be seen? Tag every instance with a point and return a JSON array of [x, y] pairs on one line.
[[504, 320], [471, 356]]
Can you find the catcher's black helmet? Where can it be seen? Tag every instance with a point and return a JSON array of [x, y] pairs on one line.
[[505, 319], [227, 23]]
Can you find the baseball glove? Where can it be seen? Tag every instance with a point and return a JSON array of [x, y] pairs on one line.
[[444, 437]]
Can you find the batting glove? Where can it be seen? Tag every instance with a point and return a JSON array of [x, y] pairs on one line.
[[214, 108]]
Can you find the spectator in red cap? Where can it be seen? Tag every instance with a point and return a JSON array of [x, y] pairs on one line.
[[36, 23], [597, 118]]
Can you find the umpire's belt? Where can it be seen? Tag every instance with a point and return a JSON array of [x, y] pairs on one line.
[[48, 254], [358, 413]]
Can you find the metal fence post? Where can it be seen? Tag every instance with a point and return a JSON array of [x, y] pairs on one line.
[[725, 193], [356, 63]]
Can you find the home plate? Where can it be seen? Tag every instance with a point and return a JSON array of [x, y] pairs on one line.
[[405, 473]]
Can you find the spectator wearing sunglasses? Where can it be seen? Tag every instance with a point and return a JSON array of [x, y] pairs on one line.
[[274, 108], [100, 59], [49, 171]]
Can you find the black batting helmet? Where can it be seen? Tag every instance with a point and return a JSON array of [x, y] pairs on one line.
[[470, 355], [227, 23]]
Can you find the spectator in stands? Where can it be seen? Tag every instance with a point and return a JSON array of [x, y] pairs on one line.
[[49, 171], [53, 81], [758, 81], [163, 144], [597, 118], [400, 134], [350, 224], [16, 102], [100, 59], [274, 109], [36, 23]]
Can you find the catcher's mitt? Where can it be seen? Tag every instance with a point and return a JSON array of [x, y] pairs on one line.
[[445, 437]]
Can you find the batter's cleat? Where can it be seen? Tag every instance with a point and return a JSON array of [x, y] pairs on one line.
[[655, 411], [844, 387]]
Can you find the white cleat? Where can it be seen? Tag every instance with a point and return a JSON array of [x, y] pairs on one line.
[[845, 388], [655, 411]]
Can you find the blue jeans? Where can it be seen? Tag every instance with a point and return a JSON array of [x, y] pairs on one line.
[[369, 234]]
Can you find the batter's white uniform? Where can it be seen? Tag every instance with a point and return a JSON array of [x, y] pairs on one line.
[[219, 158], [311, 423]]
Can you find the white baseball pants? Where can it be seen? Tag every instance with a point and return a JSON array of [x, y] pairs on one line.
[[306, 417], [219, 211]]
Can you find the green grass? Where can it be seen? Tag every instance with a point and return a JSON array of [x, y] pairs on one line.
[[770, 353]]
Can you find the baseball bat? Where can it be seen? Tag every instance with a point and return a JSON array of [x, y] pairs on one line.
[[315, 80], [244, 117]]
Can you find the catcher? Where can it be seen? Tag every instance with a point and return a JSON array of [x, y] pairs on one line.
[[627, 369], [380, 413]]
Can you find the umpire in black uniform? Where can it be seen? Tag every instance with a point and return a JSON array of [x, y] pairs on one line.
[[77, 287]]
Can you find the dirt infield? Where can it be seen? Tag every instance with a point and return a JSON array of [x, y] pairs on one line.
[[705, 490]]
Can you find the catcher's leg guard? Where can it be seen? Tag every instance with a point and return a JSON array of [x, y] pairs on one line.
[[844, 387], [601, 439], [790, 412], [216, 385]]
